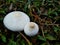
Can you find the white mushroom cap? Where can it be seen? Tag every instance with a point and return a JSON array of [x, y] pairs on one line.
[[31, 29], [16, 20]]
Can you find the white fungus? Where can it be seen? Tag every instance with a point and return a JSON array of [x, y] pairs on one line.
[[31, 29], [16, 20]]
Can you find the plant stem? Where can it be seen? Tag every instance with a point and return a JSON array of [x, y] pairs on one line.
[[25, 39]]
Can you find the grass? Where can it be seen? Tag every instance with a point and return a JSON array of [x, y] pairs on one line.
[[46, 13]]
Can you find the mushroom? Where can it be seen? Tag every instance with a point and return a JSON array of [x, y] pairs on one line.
[[16, 20], [31, 29]]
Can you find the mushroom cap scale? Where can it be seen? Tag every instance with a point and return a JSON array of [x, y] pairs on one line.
[[16, 20], [32, 25]]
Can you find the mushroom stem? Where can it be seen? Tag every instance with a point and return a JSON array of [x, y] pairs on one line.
[[25, 39]]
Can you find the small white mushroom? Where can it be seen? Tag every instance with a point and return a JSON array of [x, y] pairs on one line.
[[16, 20], [31, 29]]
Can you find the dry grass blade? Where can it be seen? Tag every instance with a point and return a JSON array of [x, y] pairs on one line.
[[29, 43], [11, 6]]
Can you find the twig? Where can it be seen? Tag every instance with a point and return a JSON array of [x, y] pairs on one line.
[[25, 39], [51, 24]]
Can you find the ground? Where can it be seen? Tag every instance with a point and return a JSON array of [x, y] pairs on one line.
[[46, 13]]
